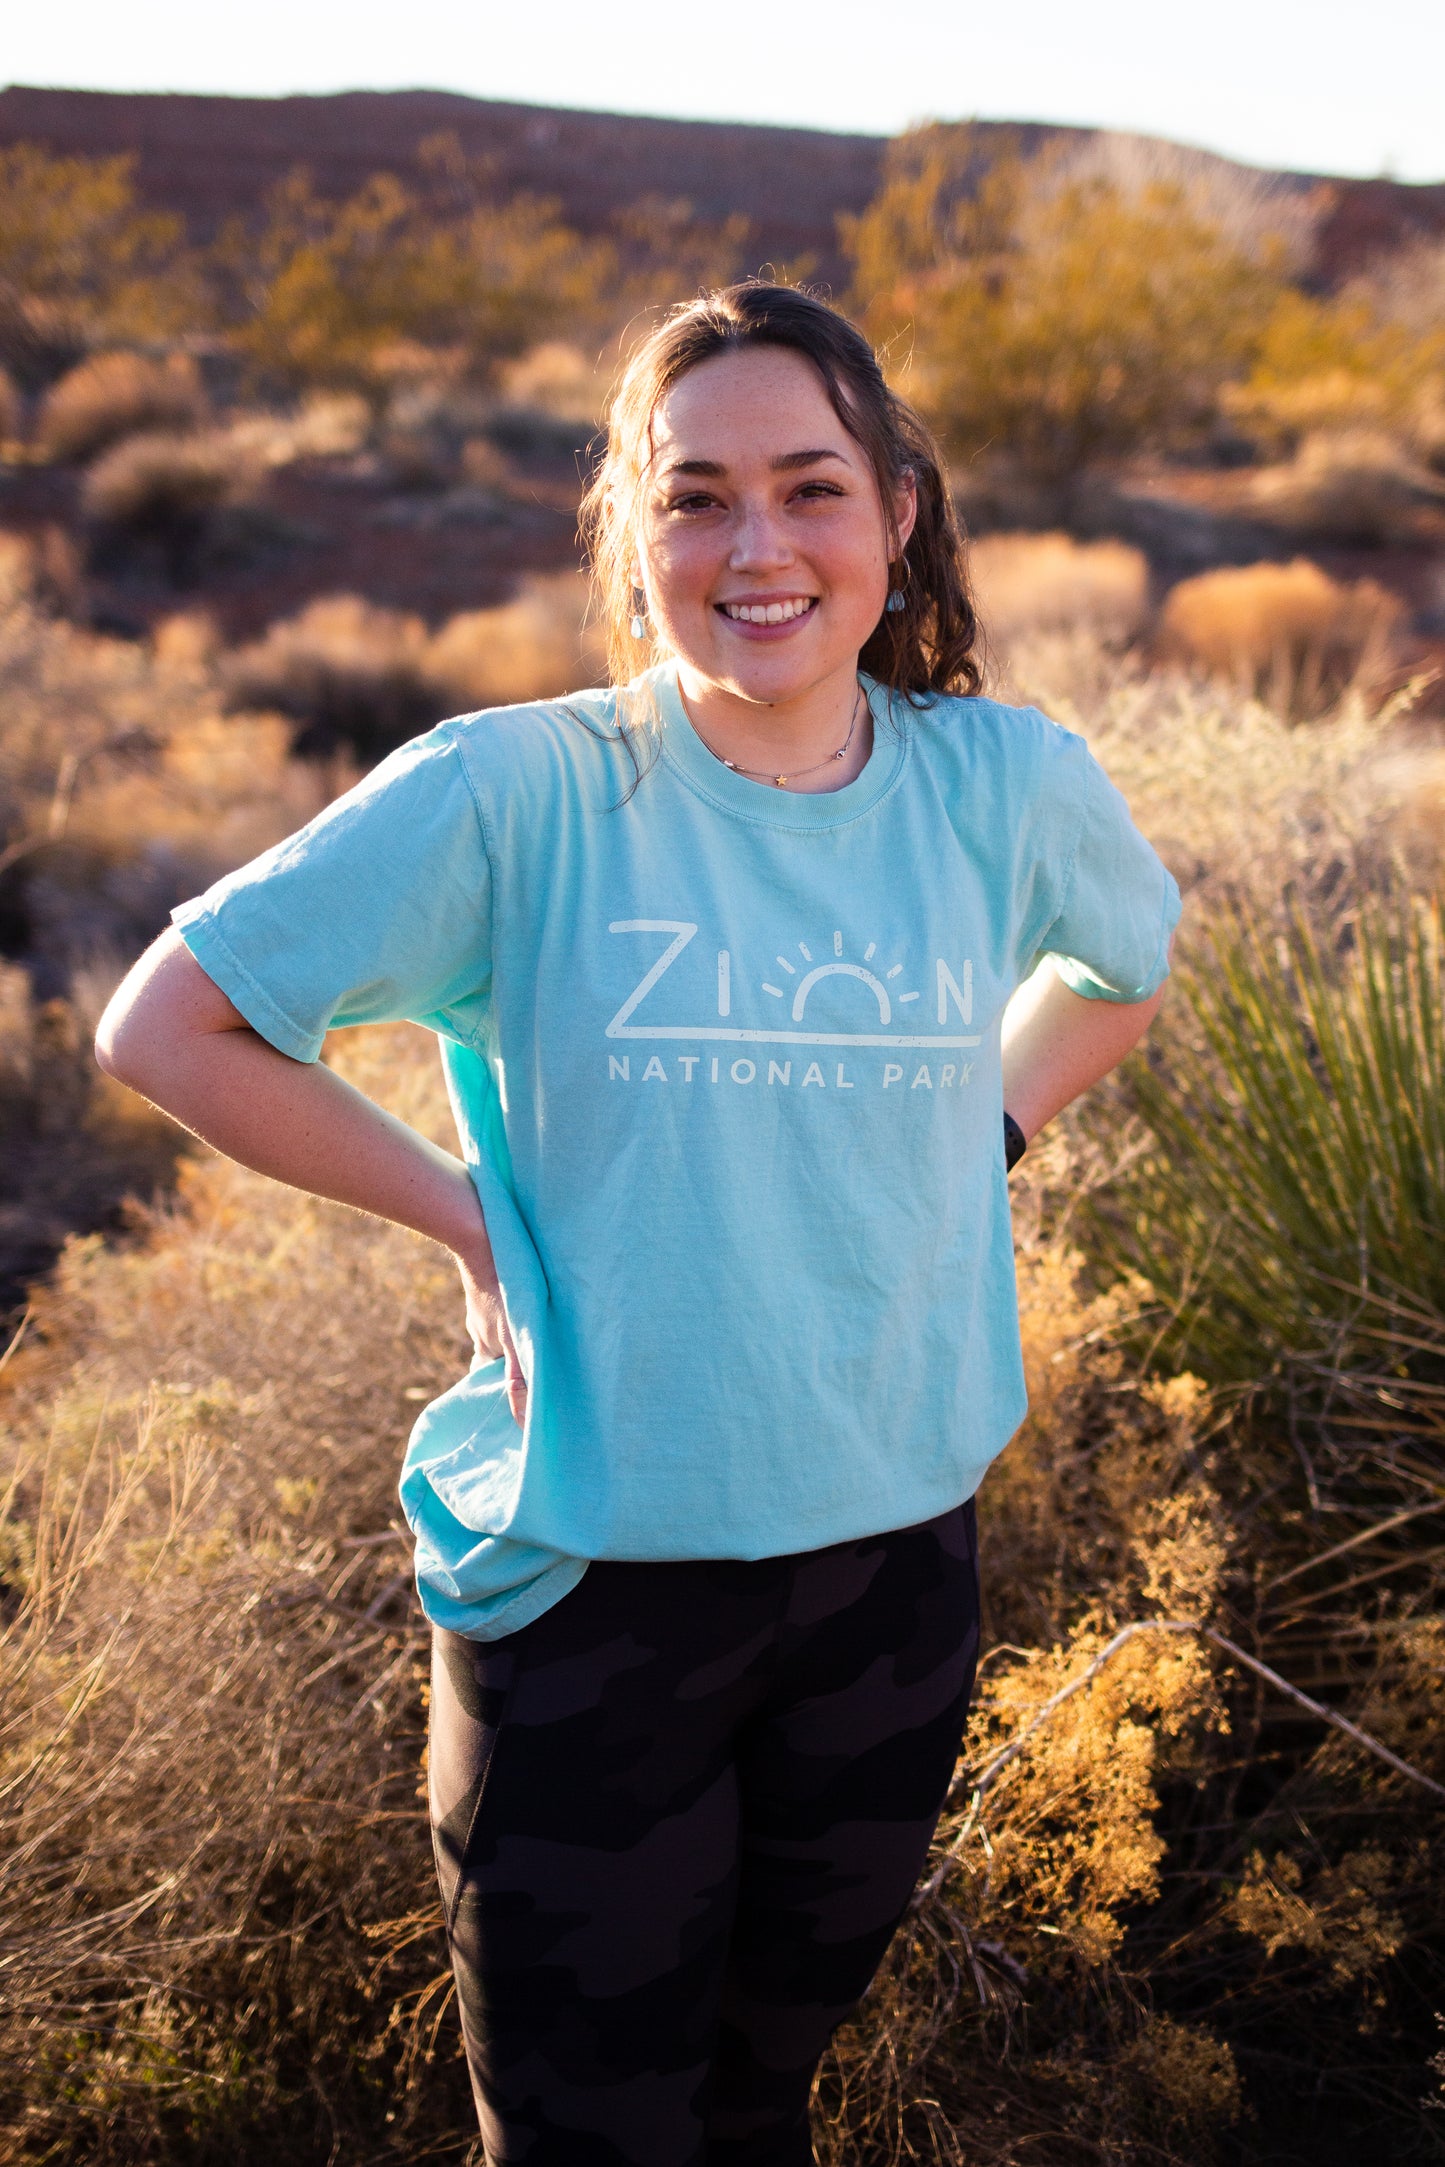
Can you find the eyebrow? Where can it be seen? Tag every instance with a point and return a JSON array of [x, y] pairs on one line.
[[787, 462]]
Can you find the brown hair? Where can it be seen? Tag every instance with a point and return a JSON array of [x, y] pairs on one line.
[[930, 644]]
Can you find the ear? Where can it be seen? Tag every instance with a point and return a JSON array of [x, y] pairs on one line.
[[905, 506]]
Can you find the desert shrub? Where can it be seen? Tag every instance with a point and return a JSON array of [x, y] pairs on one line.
[[166, 490], [345, 671], [220, 1933], [558, 378], [116, 395], [328, 290], [1285, 631], [122, 791], [1357, 486], [351, 674], [83, 259], [12, 410], [325, 425], [1049, 582], [533, 647], [1344, 363], [1246, 808], [73, 1147], [1270, 217], [1057, 320]]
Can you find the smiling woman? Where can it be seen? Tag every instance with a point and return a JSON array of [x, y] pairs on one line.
[[781, 516], [729, 1051]]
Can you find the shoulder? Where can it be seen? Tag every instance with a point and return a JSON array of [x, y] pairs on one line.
[[989, 748], [493, 739]]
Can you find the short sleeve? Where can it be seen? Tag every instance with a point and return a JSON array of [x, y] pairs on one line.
[[1110, 938], [378, 910]]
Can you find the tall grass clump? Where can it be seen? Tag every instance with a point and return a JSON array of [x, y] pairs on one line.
[[1317, 1080]]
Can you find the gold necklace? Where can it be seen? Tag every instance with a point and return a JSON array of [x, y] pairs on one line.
[[780, 782]]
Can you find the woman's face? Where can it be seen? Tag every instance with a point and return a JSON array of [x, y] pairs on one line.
[[761, 538]]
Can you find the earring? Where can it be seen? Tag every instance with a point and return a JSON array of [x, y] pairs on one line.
[[638, 626], [895, 600], [896, 595]]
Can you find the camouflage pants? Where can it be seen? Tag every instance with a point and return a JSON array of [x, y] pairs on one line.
[[677, 1820]]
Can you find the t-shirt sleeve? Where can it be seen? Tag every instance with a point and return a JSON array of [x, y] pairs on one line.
[[378, 910], [1110, 938]]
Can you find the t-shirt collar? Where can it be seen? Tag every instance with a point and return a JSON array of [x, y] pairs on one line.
[[722, 786]]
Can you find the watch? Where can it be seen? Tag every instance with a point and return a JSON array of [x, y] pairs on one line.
[[1015, 1143]]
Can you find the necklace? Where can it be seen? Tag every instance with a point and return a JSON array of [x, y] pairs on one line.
[[781, 782]]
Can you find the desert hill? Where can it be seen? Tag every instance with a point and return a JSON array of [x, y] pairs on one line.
[[209, 157]]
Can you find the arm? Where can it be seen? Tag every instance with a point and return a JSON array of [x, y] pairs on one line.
[[171, 1034], [1055, 1044]]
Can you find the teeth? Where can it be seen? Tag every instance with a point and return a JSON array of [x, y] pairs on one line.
[[768, 613]]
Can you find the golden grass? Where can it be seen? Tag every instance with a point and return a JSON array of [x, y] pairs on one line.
[[1240, 802]]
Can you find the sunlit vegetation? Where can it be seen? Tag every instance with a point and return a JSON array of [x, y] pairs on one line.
[[1174, 1915]]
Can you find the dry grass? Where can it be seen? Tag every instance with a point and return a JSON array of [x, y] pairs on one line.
[[219, 1932], [1241, 803], [118, 395], [352, 674], [167, 489], [1286, 632], [218, 1928], [558, 379], [539, 644], [12, 408], [220, 1935], [1359, 486], [1026, 583], [122, 790]]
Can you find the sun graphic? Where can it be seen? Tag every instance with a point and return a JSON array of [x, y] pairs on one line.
[[806, 981]]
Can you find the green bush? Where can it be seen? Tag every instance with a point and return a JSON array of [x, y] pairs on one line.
[[1053, 319]]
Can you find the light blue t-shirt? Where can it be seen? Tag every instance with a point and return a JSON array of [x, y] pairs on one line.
[[724, 1061]]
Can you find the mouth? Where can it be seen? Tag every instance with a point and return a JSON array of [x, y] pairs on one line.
[[769, 609]]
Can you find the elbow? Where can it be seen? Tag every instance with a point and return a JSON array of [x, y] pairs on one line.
[[116, 1050]]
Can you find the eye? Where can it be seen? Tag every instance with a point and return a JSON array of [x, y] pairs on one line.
[[821, 489], [696, 500]]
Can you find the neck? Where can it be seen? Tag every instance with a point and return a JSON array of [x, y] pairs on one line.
[[796, 737]]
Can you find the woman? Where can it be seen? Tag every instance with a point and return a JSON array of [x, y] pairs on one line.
[[736, 966]]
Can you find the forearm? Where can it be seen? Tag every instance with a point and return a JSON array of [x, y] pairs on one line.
[[1056, 1044], [179, 1044]]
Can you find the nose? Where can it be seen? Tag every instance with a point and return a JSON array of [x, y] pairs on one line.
[[759, 542]]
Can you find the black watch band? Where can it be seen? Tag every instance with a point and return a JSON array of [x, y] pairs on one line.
[[1015, 1143]]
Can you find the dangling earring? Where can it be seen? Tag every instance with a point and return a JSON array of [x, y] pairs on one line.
[[896, 595], [638, 626]]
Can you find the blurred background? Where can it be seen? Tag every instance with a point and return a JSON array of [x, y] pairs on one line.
[[302, 371]]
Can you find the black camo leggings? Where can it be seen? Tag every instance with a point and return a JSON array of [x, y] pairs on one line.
[[677, 1820]]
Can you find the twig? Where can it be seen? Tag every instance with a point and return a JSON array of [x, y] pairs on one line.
[[17, 1336], [1364, 1534]]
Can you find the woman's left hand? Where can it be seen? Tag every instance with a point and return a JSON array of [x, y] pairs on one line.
[[487, 1324]]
